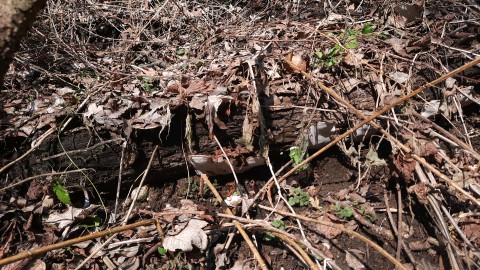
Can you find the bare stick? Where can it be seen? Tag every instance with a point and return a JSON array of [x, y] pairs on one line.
[[394, 229], [81, 151], [228, 162], [399, 226], [67, 243], [297, 247], [119, 182], [245, 236]]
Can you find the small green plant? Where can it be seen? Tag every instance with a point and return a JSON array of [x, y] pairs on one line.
[[181, 52], [277, 223], [162, 251], [369, 216], [298, 197], [350, 39], [193, 186], [90, 222], [368, 28], [345, 213], [61, 193], [147, 84], [298, 155]]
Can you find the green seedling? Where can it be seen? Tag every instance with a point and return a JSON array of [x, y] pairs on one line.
[[370, 217], [350, 39], [368, 28], [90, 222], [345, 213], [181, 52], [61, 193], [192, 187], [277, 223], [298, 197], [298, 155], [162, 251], [147, 84]]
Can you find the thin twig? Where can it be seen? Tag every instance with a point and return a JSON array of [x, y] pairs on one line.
[[67, 243], [394, 228], [449, 135], [128, 213], [42, 175], [81, 151], [343, 229], [399, 223], [119, 182], [245, 236], [302, 253], [35, 145], [377, 126], [229, 163]]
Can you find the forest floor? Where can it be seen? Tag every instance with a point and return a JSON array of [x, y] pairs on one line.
[[243, 135]]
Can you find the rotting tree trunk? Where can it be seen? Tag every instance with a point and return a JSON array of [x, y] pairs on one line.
[[284, 125], [16, 17]]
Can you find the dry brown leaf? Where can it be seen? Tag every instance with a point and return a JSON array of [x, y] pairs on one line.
[[328, 231], [188, 237], [421, 190], [352, 256], [404, 165], [471, 228]]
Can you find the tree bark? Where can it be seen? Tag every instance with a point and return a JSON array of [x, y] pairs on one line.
[[16, 17]]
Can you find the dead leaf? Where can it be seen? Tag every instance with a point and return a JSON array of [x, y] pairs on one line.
[[471, 227], [64, 219], [419, 245], [398, 45], [328, 231], [188, 237], [404, 165], [352, 256], [399, 77], [373, 159], [421, 190]]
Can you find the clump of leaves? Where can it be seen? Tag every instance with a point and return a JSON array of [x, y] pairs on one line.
[[279, 224], [61, 192], [345, 213], [298, 197], [181, 52]]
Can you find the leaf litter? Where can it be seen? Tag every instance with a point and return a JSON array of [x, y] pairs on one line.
[[223, 67]]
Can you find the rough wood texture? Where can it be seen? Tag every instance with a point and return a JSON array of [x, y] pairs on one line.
[[16, 17]]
